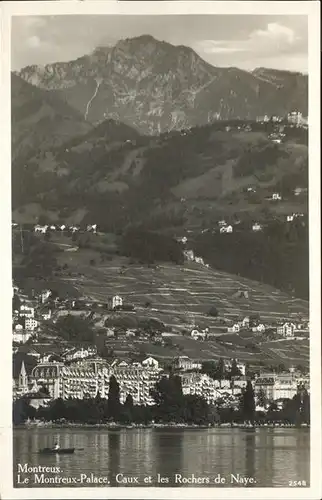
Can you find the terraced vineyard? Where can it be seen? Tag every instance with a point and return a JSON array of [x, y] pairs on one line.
[[181, 296]]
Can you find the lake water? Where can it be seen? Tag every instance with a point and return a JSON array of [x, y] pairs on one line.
[[272, 457]]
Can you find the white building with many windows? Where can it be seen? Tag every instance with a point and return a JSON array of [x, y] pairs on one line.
[[87, 378], [31, 324], [279, 386], [20, 335], [184, 363], [27, 311], [286, 329], [117, 301]]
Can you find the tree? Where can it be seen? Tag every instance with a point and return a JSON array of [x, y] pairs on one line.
[[58, 409], [129, 401], [254, 319], [169, 398], [128, 406], [213, 311], [248, 402], [149, 246], [220, 370], [73, 328], [261, 398], [209, 368], [99, 407], [196, 410], [281, 368], [306, 408], [113, 398], [40, 262], [16, 303], [21, 411]]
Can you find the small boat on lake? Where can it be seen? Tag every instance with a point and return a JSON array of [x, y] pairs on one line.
[[54, 451]]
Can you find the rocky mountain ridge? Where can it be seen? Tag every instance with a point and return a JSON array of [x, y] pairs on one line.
[[156, 87]]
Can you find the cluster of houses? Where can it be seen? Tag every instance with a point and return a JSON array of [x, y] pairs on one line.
[[190, 256], [277, 137], [284, 329], [43, 371], [44, 228], [294, 216], [42, 379], [294, 118], [63, 228], [228, 228], [31, 312], [224, 227], [24, 323]]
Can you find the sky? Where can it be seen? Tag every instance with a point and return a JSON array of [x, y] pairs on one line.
[[243, 41]]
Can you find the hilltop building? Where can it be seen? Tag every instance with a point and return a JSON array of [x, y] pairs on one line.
[[296, 118], [299, 190], [241, 366], [40, 229], [184, 363], [44, 296], [235, 328], [150, 362], [189, 255], [197, 335], [286, 329], [117, 302], [20, 335], [27, 311], [260, 328], [226, 229], [257, 227], [92, 228], [31, 324], [81, 353]]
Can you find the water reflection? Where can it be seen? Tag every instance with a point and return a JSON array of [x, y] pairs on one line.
[[272, 456], [114, 440], [169, 459], [250, 448]]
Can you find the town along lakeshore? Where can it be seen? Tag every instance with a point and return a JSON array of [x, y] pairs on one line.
[[273, 457]]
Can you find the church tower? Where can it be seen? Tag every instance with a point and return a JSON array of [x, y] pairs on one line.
[[23, 378]]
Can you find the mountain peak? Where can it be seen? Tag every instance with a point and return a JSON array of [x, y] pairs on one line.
[[146, 38], [156, 86]]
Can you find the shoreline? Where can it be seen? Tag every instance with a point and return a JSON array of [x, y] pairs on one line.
[[119, 427]]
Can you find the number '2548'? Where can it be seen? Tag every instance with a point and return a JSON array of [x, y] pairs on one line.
[[297, 483]]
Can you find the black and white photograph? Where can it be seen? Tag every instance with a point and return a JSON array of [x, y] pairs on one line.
[[164, 199]]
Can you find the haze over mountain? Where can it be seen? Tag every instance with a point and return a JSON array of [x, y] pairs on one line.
[[156, 87]]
